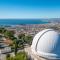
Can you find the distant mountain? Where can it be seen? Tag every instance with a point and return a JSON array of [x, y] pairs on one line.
[[56, 20]]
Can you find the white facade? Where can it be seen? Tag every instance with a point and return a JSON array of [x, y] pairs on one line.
[[47, 44], [5, 50]]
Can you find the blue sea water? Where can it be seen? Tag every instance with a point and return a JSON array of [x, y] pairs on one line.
[[21, 21]]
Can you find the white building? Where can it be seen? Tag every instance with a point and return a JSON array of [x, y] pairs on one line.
[[46, 44]]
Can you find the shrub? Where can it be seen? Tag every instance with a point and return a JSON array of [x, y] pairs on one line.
[[19, 56]]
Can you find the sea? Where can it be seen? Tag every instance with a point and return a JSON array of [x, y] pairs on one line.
[[22, 21]]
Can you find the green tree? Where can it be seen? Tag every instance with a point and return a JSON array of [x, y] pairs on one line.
[[28, 39], [21, 36], [16, 46], [21, 44], [2, 30], [9, 34]]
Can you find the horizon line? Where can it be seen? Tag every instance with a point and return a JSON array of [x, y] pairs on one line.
[[29, 18]]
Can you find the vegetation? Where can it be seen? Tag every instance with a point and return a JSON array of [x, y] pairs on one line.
[[9, 34], [26, 38], [19, 56], [2, 30], [22, 37], [17, 43], [16, 46]]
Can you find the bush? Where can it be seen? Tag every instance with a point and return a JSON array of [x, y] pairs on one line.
[[19, 56]]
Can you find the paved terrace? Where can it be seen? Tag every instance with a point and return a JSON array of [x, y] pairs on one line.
[[2, 56], [33, 56]]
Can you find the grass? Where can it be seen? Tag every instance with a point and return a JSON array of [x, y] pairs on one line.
[[19, 56]]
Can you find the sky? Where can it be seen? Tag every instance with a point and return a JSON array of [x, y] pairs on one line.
[[29, 9]]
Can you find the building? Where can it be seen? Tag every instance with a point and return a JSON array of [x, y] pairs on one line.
[[45, 46]]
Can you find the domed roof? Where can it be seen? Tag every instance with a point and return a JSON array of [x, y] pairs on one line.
[[47, 44]]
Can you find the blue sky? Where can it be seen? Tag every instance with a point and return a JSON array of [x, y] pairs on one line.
[[29, 8]]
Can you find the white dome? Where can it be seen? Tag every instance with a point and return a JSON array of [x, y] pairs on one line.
[[47, 44]]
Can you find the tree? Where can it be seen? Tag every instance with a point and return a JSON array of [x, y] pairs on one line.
[[2, 30], [21, 44], [16, 46], [21, 36], [28, 39], [9, 34]]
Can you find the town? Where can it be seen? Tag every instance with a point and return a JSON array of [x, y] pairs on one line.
[[15, 38]]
